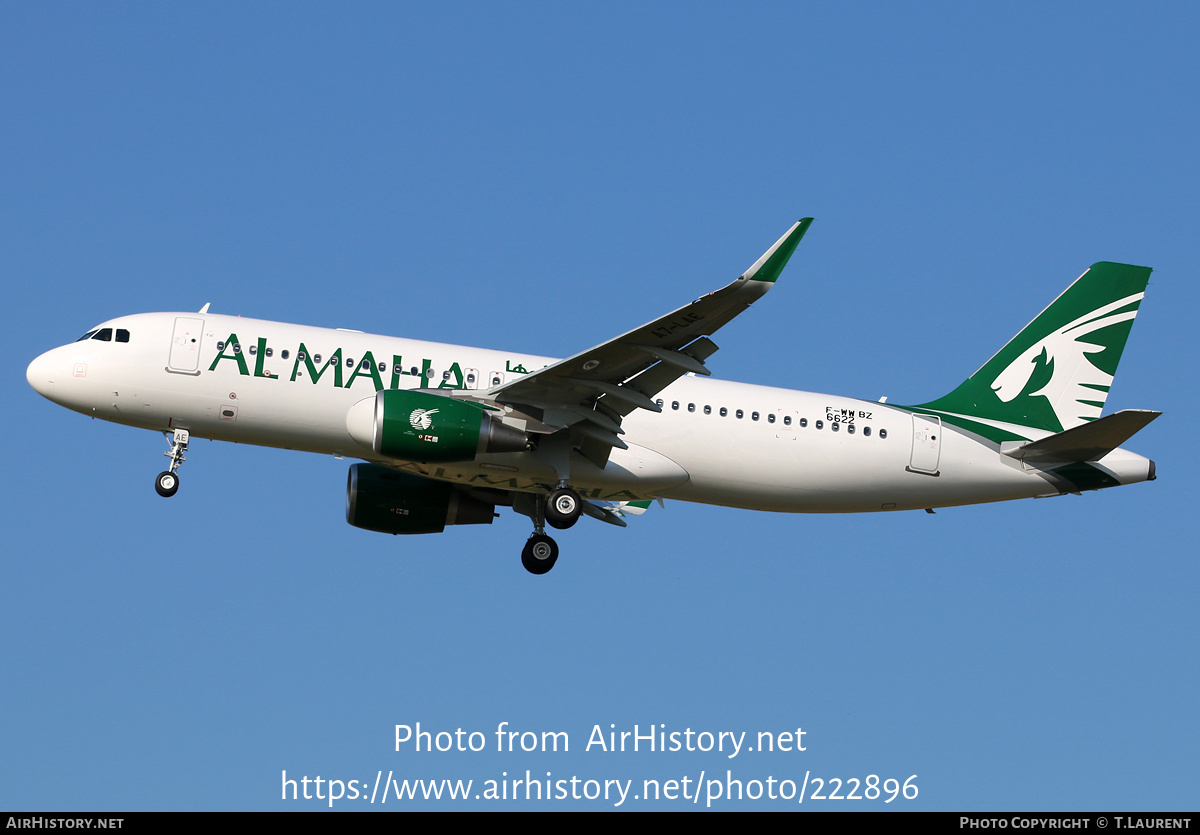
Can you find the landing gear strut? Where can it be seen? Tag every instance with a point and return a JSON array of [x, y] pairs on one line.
[[540, 551], [167, 482]]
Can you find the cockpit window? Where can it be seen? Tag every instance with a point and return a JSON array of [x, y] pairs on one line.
[[87, 335], [104, 335], [122, 335]]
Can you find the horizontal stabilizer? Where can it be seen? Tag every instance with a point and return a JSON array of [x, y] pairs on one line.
[[1088, 442]]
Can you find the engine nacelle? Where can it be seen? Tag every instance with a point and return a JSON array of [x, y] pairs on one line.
[[416, 426], [383, 500]]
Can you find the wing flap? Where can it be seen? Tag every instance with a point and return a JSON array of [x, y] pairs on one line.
[[604, 514]]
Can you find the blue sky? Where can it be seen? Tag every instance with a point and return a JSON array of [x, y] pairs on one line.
[[539, 178]]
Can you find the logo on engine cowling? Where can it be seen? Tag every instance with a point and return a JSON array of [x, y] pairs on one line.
[[422, 418]]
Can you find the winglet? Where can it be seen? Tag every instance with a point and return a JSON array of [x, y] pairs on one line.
[[775, 259]]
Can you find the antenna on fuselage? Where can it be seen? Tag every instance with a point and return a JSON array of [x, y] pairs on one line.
[[205, 308]]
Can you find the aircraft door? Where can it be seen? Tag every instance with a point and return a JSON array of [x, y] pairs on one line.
[[185, 345], [926, 444]]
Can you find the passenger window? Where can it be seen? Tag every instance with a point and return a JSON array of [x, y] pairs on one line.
[[237, 347], [495, 380], [820, 424], [882, 433], [659, 402], [708, 410], [270, 351], [835, 426], [867, 431], [675, 405], [739, 414], [253, 350], [724, 411], [754, 416], [787, 420], [122, 335], [382, 367], [284, 354], [104, 335], [445, 375], [470, 377], [317, 359], [771, 417], [691, 407], [850, 428], [349, 362]]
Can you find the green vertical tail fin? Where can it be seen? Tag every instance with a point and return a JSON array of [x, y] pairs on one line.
[[1055, 374]]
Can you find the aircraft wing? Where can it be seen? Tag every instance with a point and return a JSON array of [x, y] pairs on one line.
[[594, 389]]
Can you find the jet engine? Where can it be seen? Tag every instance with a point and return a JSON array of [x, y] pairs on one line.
[[416, 426], [383, 500]]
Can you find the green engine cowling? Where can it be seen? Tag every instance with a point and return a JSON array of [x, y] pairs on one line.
[[386, 501], [417, 426]]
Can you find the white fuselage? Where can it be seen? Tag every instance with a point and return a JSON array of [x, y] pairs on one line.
[[715, 442]]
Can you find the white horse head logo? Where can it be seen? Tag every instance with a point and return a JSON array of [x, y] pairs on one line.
[[422, 418], [1076, 388]]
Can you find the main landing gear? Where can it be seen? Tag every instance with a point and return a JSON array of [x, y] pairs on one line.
[[167, 482], [561, 509], [539, 554]]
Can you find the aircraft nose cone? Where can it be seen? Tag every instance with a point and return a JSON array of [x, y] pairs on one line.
[[41, 374]]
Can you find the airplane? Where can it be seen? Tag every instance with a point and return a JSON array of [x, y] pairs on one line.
[[447, 434]]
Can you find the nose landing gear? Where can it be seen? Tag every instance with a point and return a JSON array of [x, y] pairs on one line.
[[167, 482]]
